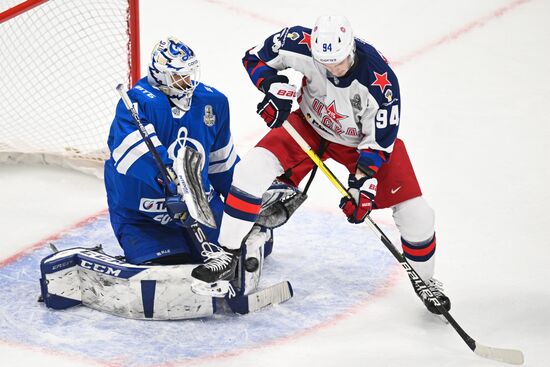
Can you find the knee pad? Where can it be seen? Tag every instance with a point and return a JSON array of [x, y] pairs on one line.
[[256, 171], [415, 220]]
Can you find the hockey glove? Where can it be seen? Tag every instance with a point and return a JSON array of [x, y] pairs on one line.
[[177, 210], [362, 191], [175, 206], [277, 102]]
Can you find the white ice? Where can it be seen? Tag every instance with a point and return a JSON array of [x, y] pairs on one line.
[[474, 80]]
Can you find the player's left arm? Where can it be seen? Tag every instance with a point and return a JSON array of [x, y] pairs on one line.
[[223, 156], [380, 124]]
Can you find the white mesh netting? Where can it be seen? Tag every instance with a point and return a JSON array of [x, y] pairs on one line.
[[60, 64]]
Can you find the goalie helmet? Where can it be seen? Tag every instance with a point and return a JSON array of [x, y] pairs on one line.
[[175, 70], [332, 39]]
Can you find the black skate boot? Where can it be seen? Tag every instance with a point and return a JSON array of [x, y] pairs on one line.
[[219, 265], [432, 292]]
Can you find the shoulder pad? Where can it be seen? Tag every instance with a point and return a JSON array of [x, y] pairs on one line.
[[296, 39]]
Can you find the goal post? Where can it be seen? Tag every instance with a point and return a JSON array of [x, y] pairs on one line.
[[61, 61]]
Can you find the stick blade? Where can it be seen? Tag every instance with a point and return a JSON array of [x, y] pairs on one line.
[[511, 356], [275, 294]]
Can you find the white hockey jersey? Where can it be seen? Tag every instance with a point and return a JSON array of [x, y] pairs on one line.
[[360, 109]]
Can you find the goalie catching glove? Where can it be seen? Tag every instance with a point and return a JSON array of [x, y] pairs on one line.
[[277, 102], [362, 192]]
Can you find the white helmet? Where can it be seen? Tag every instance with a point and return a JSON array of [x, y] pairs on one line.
[[332, 39], [175, 70]]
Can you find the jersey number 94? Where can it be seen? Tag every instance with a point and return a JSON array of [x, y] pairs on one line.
[[382, 118]]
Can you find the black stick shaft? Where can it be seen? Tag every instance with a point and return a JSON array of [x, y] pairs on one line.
[[144, 134], [419, 283]]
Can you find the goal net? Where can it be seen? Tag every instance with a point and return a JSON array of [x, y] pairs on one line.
[[61, 61]]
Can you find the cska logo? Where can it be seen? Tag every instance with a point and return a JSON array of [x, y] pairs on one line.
[[330, 118]]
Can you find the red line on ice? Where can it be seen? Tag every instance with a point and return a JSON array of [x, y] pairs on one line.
[[454, 35], [52, 237]]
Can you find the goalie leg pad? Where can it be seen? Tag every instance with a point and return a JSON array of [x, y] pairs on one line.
[[101, 282], [251, 262]]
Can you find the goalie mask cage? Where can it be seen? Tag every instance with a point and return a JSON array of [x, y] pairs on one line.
[[61, 61]]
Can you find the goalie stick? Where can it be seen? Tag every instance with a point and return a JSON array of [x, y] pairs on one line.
[[511, 356]]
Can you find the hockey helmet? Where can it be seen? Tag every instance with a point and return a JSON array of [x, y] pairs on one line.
[[332, 39], [175, 70]]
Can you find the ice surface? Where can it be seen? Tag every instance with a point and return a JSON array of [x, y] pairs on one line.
[[476, 125]]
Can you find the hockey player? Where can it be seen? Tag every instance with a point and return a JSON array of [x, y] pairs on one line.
[[149, 218], [349, 110]]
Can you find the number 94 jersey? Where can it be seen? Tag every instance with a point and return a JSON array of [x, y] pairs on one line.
[[360, 109]]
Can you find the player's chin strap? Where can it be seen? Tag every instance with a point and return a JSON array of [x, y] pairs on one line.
[[511, 356]]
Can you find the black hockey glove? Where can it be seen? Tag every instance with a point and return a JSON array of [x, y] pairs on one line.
[[175, 206], [362, 191], [277, 102], [177, 210]]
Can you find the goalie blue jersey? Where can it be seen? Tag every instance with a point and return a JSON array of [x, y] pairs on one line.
[[134, 193]]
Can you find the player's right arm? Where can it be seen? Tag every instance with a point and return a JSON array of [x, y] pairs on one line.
[[276, 53], [262, 64]]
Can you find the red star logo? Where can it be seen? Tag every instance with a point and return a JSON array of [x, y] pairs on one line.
[[333, 114], [306, 40], [381, 81]]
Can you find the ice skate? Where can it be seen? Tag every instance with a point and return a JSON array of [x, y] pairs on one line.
[[220, 264], [433, 290]]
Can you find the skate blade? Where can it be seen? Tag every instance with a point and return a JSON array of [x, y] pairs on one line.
[[218, 289]]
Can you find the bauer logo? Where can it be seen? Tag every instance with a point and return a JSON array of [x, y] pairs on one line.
[[152, 205]]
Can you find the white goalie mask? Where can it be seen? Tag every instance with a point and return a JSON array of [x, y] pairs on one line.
[[175, 70], [332, 39]]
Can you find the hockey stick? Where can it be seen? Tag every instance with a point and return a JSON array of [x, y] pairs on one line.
[[197, 203], [511, 356], [166, 177]]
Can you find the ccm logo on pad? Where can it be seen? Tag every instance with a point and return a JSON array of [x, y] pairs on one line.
[[100, 268]]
